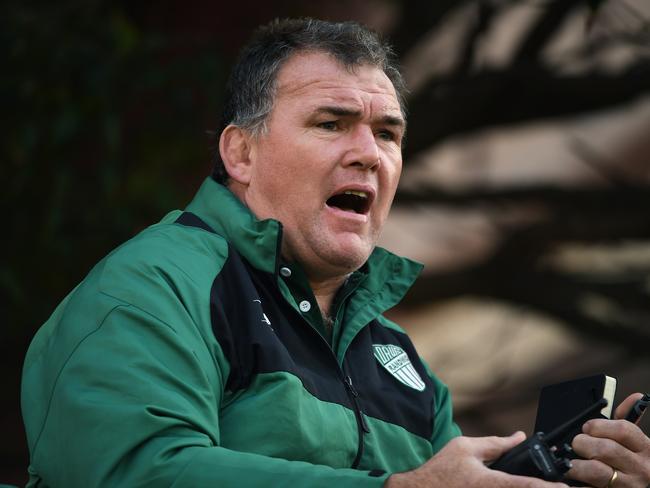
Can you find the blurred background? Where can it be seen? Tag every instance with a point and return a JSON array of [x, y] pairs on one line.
[[526, 185]]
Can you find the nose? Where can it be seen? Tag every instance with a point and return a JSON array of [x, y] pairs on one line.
[[363, 152]]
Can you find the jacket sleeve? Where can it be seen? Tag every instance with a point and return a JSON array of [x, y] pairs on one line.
[[135, 406], [444, 426]]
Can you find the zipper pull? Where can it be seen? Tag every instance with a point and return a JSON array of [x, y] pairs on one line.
[[348, 383], [355, 394]]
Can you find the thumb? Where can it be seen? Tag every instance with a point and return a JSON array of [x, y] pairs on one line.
[[625, 406], [490, 448]]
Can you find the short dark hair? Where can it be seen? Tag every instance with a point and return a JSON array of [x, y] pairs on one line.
[[250, 92]]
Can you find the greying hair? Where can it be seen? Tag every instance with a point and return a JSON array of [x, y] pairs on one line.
[[250, 92]]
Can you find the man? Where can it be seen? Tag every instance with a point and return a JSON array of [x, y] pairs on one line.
[[241, 342]]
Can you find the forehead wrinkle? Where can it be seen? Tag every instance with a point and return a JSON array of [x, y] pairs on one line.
[[373, 93], [339, 110], [348, 93], [297, 84], [384, 115], [354, 101]]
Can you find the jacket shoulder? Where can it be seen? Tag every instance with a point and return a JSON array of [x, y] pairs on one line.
[[166, 257], [389, 324], [166, 271]]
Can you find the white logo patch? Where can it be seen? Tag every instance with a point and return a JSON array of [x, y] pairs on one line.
[[395, 360]]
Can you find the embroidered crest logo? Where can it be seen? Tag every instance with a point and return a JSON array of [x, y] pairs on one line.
[[395, 360]]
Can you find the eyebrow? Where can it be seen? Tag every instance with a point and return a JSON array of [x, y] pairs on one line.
[[350, 112]]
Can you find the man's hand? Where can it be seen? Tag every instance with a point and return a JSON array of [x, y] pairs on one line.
[[461, 463], [617, 444]]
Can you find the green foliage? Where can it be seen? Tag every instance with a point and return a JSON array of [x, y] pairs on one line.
[[104, 132]]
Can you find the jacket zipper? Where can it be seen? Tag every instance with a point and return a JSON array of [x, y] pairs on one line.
[[362, 426], [353, 394]]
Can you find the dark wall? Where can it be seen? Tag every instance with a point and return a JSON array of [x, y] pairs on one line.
[[106, 108]]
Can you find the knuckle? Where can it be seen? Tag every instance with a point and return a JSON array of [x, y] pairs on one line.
[[459, 442], [604, 448], [590, 471], [579, 440], [627, 430], [597, 448]]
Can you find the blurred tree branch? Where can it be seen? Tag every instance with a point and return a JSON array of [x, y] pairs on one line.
[[451, 107], [528, 88], [610, 307]]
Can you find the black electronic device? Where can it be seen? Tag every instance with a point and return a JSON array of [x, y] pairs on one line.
[[636, 412], [540, 456], [562, 401]]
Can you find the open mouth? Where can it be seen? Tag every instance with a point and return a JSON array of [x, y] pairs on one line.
[[351, 201]]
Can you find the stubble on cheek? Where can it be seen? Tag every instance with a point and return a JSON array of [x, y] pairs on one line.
[[314, 245], [344, 250]]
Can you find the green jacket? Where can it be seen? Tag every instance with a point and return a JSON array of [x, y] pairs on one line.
[[192, 356]]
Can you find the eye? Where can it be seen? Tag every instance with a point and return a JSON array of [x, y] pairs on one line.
[[328, 125], [387, 135]]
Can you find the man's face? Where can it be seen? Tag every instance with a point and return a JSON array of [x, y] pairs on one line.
[[329, 163]]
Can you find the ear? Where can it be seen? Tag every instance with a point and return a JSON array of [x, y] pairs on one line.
[[235, 149]]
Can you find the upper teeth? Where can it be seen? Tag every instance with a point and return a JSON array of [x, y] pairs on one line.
[[361, 194]]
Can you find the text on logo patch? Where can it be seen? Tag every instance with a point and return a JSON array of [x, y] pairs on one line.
[[395, 360]]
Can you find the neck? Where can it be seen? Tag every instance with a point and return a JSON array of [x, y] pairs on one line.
[[325, 291], [324, 288]]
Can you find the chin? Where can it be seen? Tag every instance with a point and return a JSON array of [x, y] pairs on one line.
[[350, 259]]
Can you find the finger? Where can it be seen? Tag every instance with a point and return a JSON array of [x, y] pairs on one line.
[[625, 406], [505, 480], [527, 482], [625, 433], [606, 451], [490, 448], [591, 472]]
